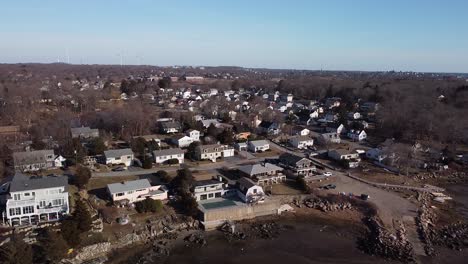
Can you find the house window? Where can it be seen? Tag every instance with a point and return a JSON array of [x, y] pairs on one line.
[[130, 192], [57, 202], [254, 190], [15, 211], [17, 196], [33, 194], [28, 209], [27, 194], [117, 158], [120, 194], [211, 195], [42, 203], [129, 157]]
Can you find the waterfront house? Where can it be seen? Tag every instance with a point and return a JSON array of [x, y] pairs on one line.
[[298, 165], [34, 199], [262, 174], [249, 192], [135, 191]]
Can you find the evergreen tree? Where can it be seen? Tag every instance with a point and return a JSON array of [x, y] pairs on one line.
[[82, 216], [16, 252], [52, 247]]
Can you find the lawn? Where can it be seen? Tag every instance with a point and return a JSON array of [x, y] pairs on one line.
[[101, 182], [287, 188]]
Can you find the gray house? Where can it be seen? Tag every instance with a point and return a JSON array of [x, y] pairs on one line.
[[298, 165], [84, 132], [34, 160]]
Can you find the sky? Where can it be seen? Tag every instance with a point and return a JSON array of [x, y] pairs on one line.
[[373, 35]]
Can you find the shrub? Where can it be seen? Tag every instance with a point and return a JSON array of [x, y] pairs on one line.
[[149, 205], [82, 177], [147, 163], [172, 161]]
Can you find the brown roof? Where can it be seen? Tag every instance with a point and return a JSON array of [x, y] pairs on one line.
[[9, 129]]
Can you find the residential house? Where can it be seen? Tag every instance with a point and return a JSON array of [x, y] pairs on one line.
[[265, 173], [150, 138], [241, 146], [134, 191], [163, 155], [335, 128], [208, 122], [213, 151], [258, 145], [35, 199], [10, 133], [170, 127], [211, 189], [34, 160], [182, 141], [193, 134], [300, 131], [84, 132], [300, 166], [270, 128], [119, 157], [357, 135], [249, 192], [350, 158], [331, 137], [342, 154], [376, 154], [354, 115], [301, 142]]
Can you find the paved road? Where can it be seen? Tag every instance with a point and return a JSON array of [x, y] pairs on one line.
[[231, 162]]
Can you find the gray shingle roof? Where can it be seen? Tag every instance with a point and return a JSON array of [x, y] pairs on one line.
[[22, 182], [115, 153], [128, 186], [259, 168], [32, 157], [167, 152], [259, 143]]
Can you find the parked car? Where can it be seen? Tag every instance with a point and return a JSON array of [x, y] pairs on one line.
[[327, 173], [365, 197], [119, 169], [329, 187]]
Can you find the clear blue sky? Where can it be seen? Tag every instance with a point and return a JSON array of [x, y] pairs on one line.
[[418, 35]]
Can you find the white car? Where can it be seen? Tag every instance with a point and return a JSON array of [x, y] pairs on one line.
[[327, 174]]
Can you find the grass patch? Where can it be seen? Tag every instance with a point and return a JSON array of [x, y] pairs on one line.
[[101, 182]]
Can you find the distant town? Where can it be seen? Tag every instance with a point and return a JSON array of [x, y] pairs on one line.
[[99, 160]]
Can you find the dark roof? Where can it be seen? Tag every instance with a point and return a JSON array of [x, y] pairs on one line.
[[265, 124], [170, 125], [289, 158], [22, 182], [207, 182], [246, 182]]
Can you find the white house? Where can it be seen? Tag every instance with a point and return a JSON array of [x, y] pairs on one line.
[[249, 191], [213, 151], [59, 161], [301, 142], [332, 137], [119, 156], [194, 134], [301, 131], [182, 141], [258, 145], [354, 115], [356, 135], [135, 191], [163, 155], [34, 199], [241, 146], [211, 189]]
